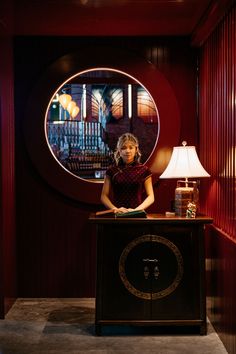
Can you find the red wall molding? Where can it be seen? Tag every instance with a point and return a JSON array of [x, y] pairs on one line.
[[210, 20]]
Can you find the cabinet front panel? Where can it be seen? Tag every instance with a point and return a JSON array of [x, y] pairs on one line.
[[118, 270], [180, 267], [149, 272]]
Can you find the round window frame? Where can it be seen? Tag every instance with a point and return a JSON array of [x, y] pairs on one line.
[[71, 79], [69, 65]]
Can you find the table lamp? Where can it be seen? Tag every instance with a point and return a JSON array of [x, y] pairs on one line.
[[184, 163]]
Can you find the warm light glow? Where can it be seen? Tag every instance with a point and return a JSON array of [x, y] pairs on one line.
[[97, 95], [64, 100], [130, 101], [56, 98], [70, 107], [84, 101], [117, 103], [58, 122], [184, 163], [230, 165], [145, 105], [75, 112]]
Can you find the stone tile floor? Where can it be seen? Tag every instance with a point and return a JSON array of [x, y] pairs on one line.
[[61, 326]]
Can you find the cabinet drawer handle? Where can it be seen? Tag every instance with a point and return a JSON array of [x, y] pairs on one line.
[[150, 260], [146, 272], [156, 272]]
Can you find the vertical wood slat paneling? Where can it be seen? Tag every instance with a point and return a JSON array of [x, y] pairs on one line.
[[217, 102], [7, 228], [221, 275]]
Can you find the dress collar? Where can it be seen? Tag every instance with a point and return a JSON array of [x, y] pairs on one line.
[[124, 165]]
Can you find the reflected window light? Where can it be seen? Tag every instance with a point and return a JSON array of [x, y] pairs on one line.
[[130, 101], [58, 122], [70, 107], [117, 103], [64, 100], [97, 95], [145, 106], [229, 169], [96, 99], [75, 112], [84, 102], [56, 98]]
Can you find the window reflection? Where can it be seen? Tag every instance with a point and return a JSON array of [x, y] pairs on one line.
[[146, 107], [88, 114]]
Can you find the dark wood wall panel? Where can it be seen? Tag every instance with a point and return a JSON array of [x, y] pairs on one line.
[[218, 154], [221, 275], [56, 246]]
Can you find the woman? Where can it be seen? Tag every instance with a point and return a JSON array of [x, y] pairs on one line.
[[127, 179]]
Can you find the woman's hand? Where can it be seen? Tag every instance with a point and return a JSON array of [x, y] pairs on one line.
[[121, 210]]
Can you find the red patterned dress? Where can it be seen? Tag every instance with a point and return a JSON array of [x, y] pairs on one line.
[[127, 183]]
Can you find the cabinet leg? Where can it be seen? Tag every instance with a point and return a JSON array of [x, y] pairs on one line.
[[203, 329]]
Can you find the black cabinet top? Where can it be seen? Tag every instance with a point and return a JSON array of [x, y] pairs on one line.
[[150, 219]]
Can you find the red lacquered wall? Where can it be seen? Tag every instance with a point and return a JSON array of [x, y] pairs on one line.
[[217, 124], [217, 101]]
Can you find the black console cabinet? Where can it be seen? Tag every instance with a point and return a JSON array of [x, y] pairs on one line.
[[150, 272]]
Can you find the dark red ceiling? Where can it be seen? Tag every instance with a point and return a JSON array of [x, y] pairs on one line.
[[112, 17]]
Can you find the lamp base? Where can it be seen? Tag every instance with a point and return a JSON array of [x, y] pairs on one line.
[[184, 195]]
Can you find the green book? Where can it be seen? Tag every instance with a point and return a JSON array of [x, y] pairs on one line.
[[132, 214]]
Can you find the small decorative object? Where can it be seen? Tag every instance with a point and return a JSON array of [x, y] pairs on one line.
[[191, 210]]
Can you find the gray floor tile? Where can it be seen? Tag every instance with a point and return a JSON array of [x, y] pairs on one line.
[[61, 326]]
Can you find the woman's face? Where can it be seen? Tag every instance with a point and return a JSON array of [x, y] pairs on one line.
[[127, 152]]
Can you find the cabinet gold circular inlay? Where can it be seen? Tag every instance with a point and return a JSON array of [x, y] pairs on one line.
[[155, 239]]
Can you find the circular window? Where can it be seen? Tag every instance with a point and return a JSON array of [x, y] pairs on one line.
[[89, 112], [114, 91]]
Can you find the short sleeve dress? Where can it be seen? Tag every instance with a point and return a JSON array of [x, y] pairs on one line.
[[127, 183]]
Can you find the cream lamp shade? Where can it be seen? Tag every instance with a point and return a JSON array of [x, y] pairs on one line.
[[184, 163]]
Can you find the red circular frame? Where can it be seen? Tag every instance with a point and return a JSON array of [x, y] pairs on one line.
[[144, 72]]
